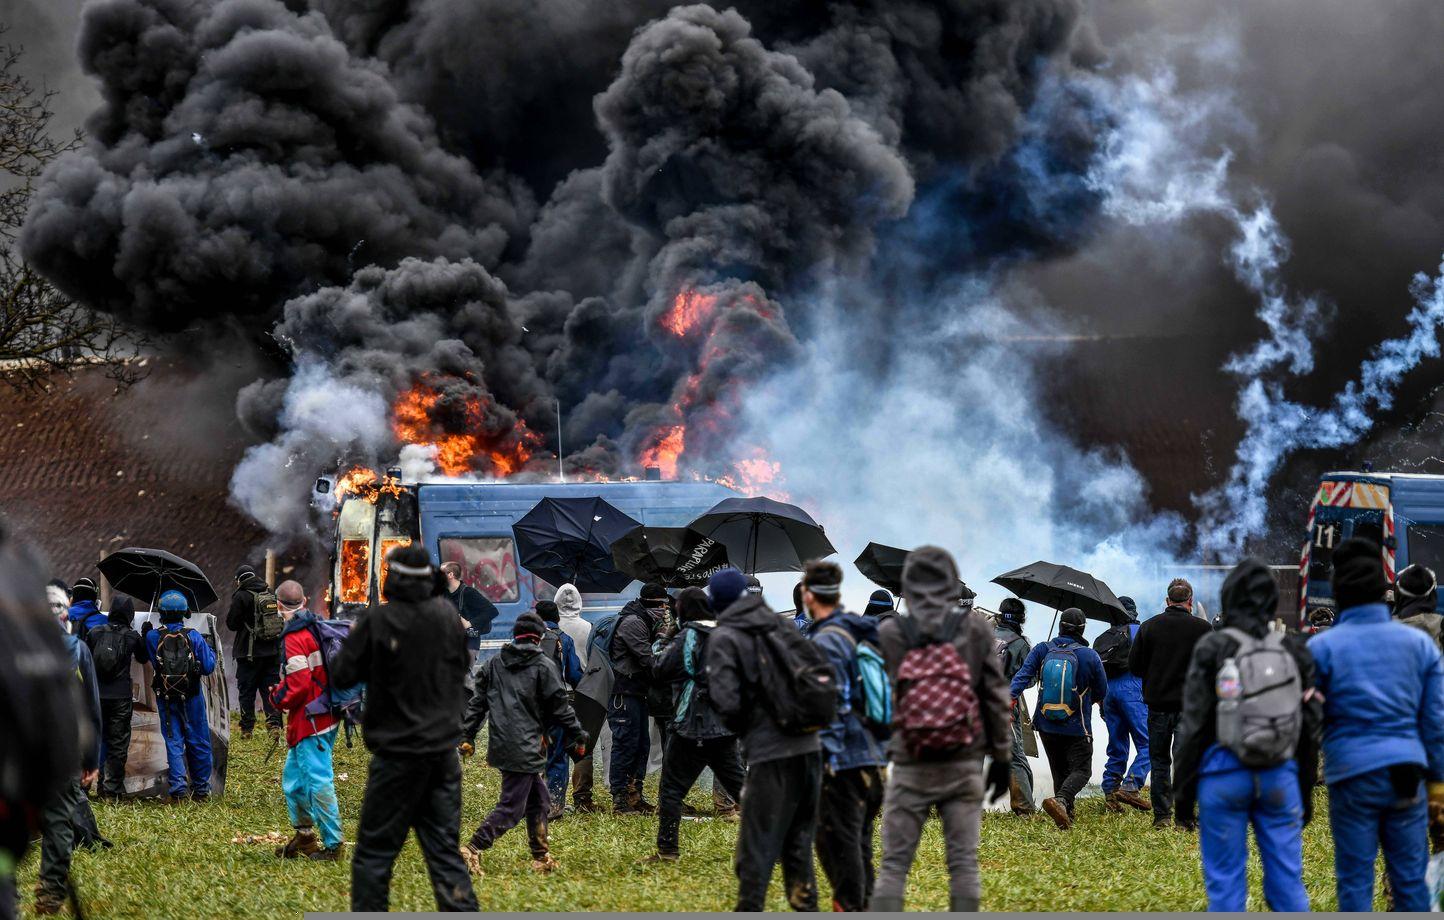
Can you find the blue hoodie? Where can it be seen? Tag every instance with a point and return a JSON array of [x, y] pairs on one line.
[[847, 743], [1091, 683], [90, 697], [1383, 687], [86, 615]]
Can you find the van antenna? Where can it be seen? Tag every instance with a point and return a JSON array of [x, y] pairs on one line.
[[561, 471]]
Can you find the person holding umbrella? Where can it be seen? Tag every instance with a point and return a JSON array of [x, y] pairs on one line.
[[1013, 649], [1071, 681], [180, 657], [631, 658]]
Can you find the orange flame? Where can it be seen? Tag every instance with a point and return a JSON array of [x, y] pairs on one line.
[[664, 454], [754, 475], [386, 547], [690, 308], [457, 454], [355, 567], [365, 483]]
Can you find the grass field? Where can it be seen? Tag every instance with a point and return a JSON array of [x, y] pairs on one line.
[[181, 862]]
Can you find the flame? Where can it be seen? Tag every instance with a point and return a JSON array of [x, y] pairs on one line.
[[355, 567], [689, 310], [664, 454], [461, 453], [386, 547], [754, 475], [365, 483]]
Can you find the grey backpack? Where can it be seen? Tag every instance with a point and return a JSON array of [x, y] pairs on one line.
[[1261, 725]]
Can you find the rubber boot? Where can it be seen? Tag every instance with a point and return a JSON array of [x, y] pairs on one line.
[[885, 905], [960, 904]]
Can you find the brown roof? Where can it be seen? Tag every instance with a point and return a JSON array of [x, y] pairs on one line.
[[87, 469]]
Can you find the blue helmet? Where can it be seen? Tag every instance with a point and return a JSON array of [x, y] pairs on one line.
[[174, 602]]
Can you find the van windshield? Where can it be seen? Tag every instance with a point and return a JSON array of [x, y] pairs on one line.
[[353, 555]]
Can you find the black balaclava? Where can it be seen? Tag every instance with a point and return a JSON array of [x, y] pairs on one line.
[[693, 605], [1358, 573]]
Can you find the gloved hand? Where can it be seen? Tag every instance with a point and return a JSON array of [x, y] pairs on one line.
[[999, 775], [466, 749], [1436, 816], [580, 742]]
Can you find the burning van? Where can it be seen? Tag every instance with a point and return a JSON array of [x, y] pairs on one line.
[[1402, 512], [470, 523]]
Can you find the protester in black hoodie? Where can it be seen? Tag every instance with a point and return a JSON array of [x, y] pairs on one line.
[[631, 659], [521, 693], [1160, 655], [1250, 599], [258, 661], [411, 654], [784, 772], [699, 738], [113, 647], [1416, 593]]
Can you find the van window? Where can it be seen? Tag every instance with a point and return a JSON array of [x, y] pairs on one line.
[[1368, 529], [353, 559], [1426, 546], [488, 564]]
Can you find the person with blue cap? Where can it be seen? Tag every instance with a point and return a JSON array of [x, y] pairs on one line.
[[180, 657]]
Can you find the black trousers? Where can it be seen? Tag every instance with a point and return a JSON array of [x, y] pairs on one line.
[[405, 792], [1070, 759], [115, 728], [57, 838], [683, 762], [848, 810], [1162, 730], [257, 675], [631, 745], [522, 795], [779, 821]]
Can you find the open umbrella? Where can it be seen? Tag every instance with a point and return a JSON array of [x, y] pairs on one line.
[[1060, 587], [763, 535], [570, 540], [882, 565], [674, 556], [149, 573]]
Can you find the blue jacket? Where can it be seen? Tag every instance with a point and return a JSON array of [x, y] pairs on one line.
[[86, 615], [89, 696], [573, 670], [1090, 682], [847, 743], [1383, 687], [803, 622], [1129, 686], [204, 656]]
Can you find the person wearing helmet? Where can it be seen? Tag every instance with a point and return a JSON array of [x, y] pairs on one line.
[[179, 658]]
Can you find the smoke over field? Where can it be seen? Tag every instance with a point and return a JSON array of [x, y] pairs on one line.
[[850, 251]]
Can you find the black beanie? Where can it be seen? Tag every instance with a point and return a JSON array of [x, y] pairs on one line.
[[1358, 573], [84, 590], [653, 595], [528, 624], [1012, 610], [1072, 622], [547, 610]]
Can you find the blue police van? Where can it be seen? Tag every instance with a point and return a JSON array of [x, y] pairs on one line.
[[1402, 512], [470, 523]]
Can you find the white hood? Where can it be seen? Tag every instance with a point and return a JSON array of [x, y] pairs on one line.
[[569, 610]]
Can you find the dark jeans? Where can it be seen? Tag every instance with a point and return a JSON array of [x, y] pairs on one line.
[[1162, 730], [257, 675], [848, 809], [631, 745], [779, 820], [1070, 759], [405, 792], [115, 728], [521, 794], [681, 765], [57, 833]]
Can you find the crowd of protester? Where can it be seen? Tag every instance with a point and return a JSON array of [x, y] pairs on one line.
[[828, 728]]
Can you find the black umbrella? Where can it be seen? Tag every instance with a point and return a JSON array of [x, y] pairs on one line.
[[565, 540], [674, 556], [149, 573], [882, 565], [1061, 587], [762, 535]]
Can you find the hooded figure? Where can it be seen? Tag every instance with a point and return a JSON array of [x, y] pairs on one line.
[[952, 783], [1277, 801], [113, 647], [569, 612], [1416, 601]]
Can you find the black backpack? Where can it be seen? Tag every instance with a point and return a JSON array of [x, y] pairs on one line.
[[551, 646], [111, 649], [267, 624], [798, 680], [1113, 647], [177, 672]]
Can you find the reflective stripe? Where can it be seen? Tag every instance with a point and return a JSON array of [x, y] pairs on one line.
[[297, 663]]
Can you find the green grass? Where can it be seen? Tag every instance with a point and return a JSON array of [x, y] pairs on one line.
[[180, 862]]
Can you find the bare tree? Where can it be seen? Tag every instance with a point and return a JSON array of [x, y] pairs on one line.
[[42, 331]]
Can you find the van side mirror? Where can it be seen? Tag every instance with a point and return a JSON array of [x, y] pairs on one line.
[[324, 486]]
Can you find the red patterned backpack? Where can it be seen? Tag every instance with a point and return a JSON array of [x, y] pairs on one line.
[[938, 709]]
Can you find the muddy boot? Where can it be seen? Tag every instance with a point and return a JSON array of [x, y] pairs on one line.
[[585, 806], [1110, 802], [669, 830], [471, 855], [1132, 799], [536, 838], [544, 863], [48, 902], [963, 905], [301, 845], [637, 804], [1059, 813], [245, 734], [328, 854]]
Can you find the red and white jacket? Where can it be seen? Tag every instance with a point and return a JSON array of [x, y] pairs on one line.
[[303, 680]]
